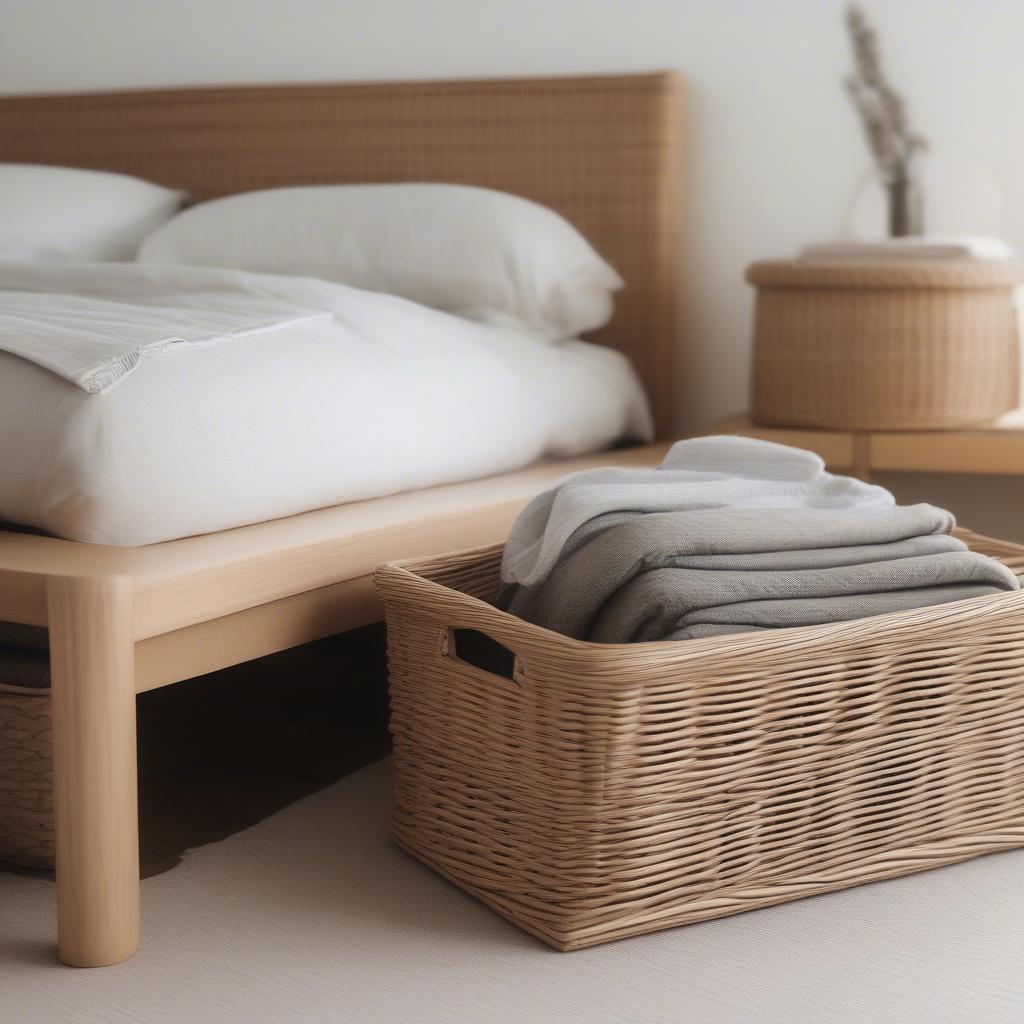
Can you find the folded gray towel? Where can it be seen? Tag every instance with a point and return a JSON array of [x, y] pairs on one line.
[[762, 615], [626, 576], [671, 603], [700, 473]]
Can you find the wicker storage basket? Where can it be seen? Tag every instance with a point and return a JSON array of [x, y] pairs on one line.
[[26, 778], [608, 790], [897, 346]]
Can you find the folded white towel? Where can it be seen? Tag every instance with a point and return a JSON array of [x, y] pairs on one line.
[[701, 473]]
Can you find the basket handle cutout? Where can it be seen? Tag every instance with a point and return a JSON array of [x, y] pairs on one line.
[[481, 651]]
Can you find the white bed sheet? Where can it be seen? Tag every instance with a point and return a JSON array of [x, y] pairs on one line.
[[308, 416]]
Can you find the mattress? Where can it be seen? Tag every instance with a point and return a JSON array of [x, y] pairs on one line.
[[316, 414]]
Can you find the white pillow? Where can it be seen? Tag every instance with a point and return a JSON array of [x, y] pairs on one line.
[[66, 213], [470, 251]]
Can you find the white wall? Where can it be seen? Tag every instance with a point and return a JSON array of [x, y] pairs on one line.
[[775, 153]]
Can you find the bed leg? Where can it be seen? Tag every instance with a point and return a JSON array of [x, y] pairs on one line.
[[94, 772]]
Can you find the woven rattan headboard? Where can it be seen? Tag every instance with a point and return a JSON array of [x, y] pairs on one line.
[[605, 151]]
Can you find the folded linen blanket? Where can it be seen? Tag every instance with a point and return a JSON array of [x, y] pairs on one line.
[[92, 324], [680, 603], [629, 575], [701, 473]]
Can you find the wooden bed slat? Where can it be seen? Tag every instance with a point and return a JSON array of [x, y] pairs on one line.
[[185, 582], [254, 633]]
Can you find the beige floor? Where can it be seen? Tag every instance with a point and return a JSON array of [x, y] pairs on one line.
[[311, 915]]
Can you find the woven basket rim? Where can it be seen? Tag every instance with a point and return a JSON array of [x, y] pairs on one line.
[[887, 274], [509, 628]]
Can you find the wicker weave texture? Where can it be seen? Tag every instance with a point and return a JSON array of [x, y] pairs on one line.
[[604, 150], [611, 790], [26, 778], [884, 347]]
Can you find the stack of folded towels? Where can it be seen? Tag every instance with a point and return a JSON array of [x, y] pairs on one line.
[[729, 535]]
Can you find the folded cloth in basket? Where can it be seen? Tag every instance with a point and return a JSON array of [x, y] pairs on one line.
[[701, 473], [629, 575]]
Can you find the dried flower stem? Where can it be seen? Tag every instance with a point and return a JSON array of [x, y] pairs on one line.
[[882, 110]]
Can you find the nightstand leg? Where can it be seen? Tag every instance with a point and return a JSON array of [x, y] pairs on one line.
[[94, 771]]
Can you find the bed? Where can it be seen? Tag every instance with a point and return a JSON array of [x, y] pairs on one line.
[[353, 395], [605, 151]]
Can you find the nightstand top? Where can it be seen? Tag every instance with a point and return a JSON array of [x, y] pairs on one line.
[[892, 273], [997, 449]]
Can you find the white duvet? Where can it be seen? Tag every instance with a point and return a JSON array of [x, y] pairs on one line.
[[92, 324], [322, 395]]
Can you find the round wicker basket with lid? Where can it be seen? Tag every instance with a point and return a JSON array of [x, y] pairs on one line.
[[885, 346]]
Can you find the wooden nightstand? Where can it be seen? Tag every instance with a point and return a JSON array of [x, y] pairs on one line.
[[998, 449]]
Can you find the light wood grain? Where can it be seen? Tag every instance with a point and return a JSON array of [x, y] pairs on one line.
[[184, 582], [255, 632], [283, 622], [94, 772], [998, 451], [995, 450]]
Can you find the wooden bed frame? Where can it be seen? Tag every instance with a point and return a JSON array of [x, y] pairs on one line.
[[604, 151]]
